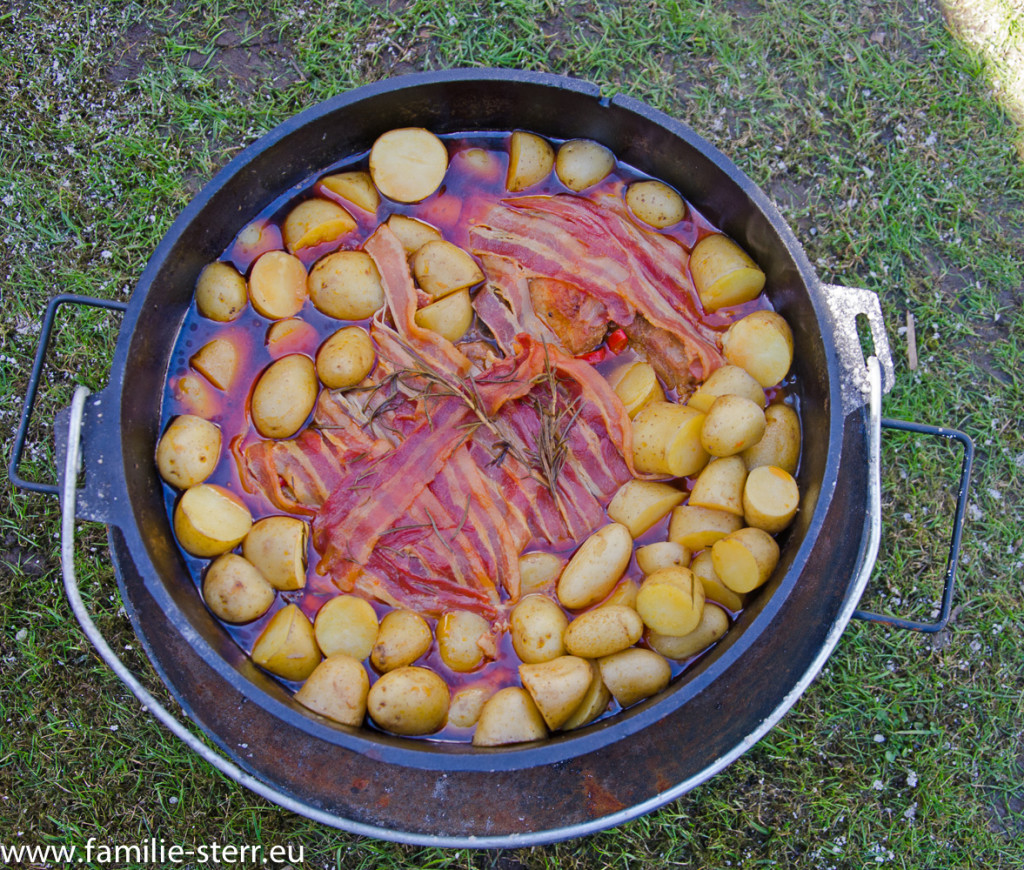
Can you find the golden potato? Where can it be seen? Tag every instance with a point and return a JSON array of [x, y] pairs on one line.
[[624, 593], [780, 444], [663, 554], [634, 674], [582, 163], [666, 440], [698, 527], [210, 520], [346, 624], [538, 571], [537, 626], [188, 451], [409, 701], [595, 567], [235, 590], [217, 361], [463, 638], [220, 292], [761, 343], [194, 396], [287, 647], [450, 317], [337, 689], [655, 203], [277, 547], [594, 703], [291, 335], [284, 396], [745, 559], [413, 234], [639, 504], [277, 285], [723, 273], [509, 716], [314, 222], [636, 384], [727, 381], [712, 627], [408, 164], [530, 159], [770, 499], [703, 567], [671, 601], [346, 285], [733, 424], [603, 631], [356, 186], [441, 268], [345, 358], [557, 687], [402, 638], [466, 704], [720, 486]]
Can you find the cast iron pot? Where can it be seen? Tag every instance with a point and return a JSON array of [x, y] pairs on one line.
[[440, 794]]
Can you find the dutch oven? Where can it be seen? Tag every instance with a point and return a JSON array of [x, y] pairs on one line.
[[446, 794]]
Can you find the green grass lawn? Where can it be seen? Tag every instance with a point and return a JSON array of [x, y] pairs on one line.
[[879, 138]]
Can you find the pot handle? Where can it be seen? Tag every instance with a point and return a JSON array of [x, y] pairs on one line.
[[958, 526]]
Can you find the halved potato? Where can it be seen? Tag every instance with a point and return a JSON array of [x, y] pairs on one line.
[[463, 639], [745, 559], [663, 554], [466, 704], [780, 444], [655, 203], [712, 627], [291, 335], [770, 498], [726, 381], [346, 624], [277, 285], [538, 571], [195, 396], [594, 702], [408, 164], [356, 186], [346, 285], [699, 527], [217, 361], [441, 268], [284, 396], [557, 687], [412, 233], [449, 317], [733, 424], [409, 701], [637, 386], [603, 631], [286, 646], [210, 520], [277, 547], [530, 158], [703, 567], [666, 440], [314, 222], [537, 626], [220, 292], [345, 358], [595, 567], [639, 504], [188, 451], [720, 486], [761, 343], [723, 273], [624, 593], [671, 601], [509, 716], [235, 590], [634, 674], [582, 163], [337, 689], [402, 638]]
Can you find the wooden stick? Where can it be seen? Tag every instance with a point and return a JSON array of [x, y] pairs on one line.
[[911, 342]]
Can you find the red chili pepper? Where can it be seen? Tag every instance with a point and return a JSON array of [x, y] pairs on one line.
[[617, 341], [595, 356]]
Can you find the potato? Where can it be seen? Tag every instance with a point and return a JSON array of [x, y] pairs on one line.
[[603, 631], [595, 567], [284, 396], [639, 504], [277, 547], [254, 240], [723, 273], [220, 292], [450, 317], [745, 559], [703, 568], [287, 647], [537, 626], [346, 624], [217, 361], [462, 639], [408, 164], [624, 593], [655, 203], [413, 234], [210, 520], [780, 444], [671, 601], [346, 285], [441, 268], [194, 396], [666, 440], [337, 689], [530, 159], [712, 627], [277, 285], [291, 335], [314, 222], [733, 424], [409, 701], [726, 381], [235, 590], [357, 187], [188, 451], [509, 716], [761, 343], [720, 486], [637, 386], [557, 687], [402, 638], [582, 163], [594, 702], [634, 674], [538, 571], [663, 554], [466, 704], [345, 358], [698, 527], [770, 499]]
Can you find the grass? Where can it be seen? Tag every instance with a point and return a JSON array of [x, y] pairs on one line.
[[876, 133]]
